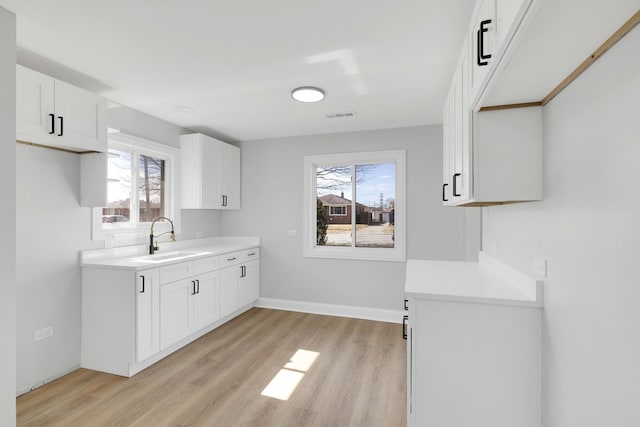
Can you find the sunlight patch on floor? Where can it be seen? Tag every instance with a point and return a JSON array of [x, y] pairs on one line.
[[287, 379]]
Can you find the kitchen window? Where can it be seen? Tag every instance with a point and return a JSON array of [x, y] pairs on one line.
[[140, 188], [355, 206]]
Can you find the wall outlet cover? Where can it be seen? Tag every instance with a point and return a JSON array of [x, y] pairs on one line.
[[41, 334], [540, 267]]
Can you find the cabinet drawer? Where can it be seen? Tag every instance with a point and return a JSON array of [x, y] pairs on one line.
[[205, 265], [251, 254], [231, 258], [174, 272]]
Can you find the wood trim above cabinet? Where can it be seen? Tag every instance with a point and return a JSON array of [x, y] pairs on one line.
[[604, 47], [597, 54], [49, 147], [511, 106]]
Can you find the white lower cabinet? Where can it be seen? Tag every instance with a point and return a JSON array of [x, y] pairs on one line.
[[249, 286], [132, 319], [187, 306], [175, 305], [120, 319], [205, 301], [472, 364], [229, 282], [147, 314], [239, 283]]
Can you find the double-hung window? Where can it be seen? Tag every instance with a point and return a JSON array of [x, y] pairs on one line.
[[140, 187], [355, 206]]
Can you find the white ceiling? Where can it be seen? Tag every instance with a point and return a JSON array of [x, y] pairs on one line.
[[235, 62]]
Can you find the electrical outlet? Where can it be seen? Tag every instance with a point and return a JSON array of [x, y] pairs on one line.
[[42, 334], [540, 267], [292, 233]]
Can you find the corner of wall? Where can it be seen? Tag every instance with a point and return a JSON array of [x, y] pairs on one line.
[[8, 218]]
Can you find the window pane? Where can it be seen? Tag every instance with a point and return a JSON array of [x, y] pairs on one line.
[[375, 205], [118, 207], [151, 188], [333, 215]]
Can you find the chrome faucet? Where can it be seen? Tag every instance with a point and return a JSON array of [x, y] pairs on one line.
[[153, 246]]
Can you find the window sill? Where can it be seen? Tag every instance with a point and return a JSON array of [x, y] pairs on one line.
[[357, 254]]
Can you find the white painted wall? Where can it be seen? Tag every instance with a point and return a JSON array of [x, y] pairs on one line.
[[137, 123], [272, 203], [588, 228], [7, 218], [51, 229]]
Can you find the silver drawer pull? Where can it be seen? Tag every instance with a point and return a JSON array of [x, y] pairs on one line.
[[231, 259], [251, 254]]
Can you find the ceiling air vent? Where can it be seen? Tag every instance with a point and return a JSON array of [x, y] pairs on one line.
[[341, 115]]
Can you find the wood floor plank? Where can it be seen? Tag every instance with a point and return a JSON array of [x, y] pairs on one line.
[[357, 379]]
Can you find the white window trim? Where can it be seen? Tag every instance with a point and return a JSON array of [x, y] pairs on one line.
[[139, 233], [342, 214], [311, 250]]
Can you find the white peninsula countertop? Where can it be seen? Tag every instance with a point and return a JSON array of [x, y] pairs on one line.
[[488, 281], [137, 257]]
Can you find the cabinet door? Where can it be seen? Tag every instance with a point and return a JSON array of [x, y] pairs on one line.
[[229, 283], [462, 165], [211, 185], [411, 422], [80, 119], [191, 171], [147, 314], [176, 318], [482, 41], [35, 115], [249, 290], [230, 176], [205, 301], [446, 150]]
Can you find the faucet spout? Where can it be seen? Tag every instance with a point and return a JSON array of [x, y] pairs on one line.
[[153, 246]]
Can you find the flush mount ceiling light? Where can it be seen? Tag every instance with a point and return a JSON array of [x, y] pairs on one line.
[[307, 94]]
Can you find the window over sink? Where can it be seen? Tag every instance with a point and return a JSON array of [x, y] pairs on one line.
[[140, 187]]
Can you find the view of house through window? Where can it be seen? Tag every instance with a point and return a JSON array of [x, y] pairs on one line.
[[356, 205], [148, 185]]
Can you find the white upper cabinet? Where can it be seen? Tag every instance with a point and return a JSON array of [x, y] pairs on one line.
[[210, 173], [53, 113], [493, 27], [489, 157], [482, 41]]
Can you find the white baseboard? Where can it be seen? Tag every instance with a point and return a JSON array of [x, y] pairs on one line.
[[378, 314], [25, 390]]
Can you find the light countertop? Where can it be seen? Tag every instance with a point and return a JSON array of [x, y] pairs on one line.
[[137, 257], [488, 281]]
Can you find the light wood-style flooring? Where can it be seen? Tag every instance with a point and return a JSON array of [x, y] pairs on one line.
[[357, 379]]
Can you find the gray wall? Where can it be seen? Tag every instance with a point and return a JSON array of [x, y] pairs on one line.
[[272, 203], [588, 228], [51, 230], [7, 218]]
